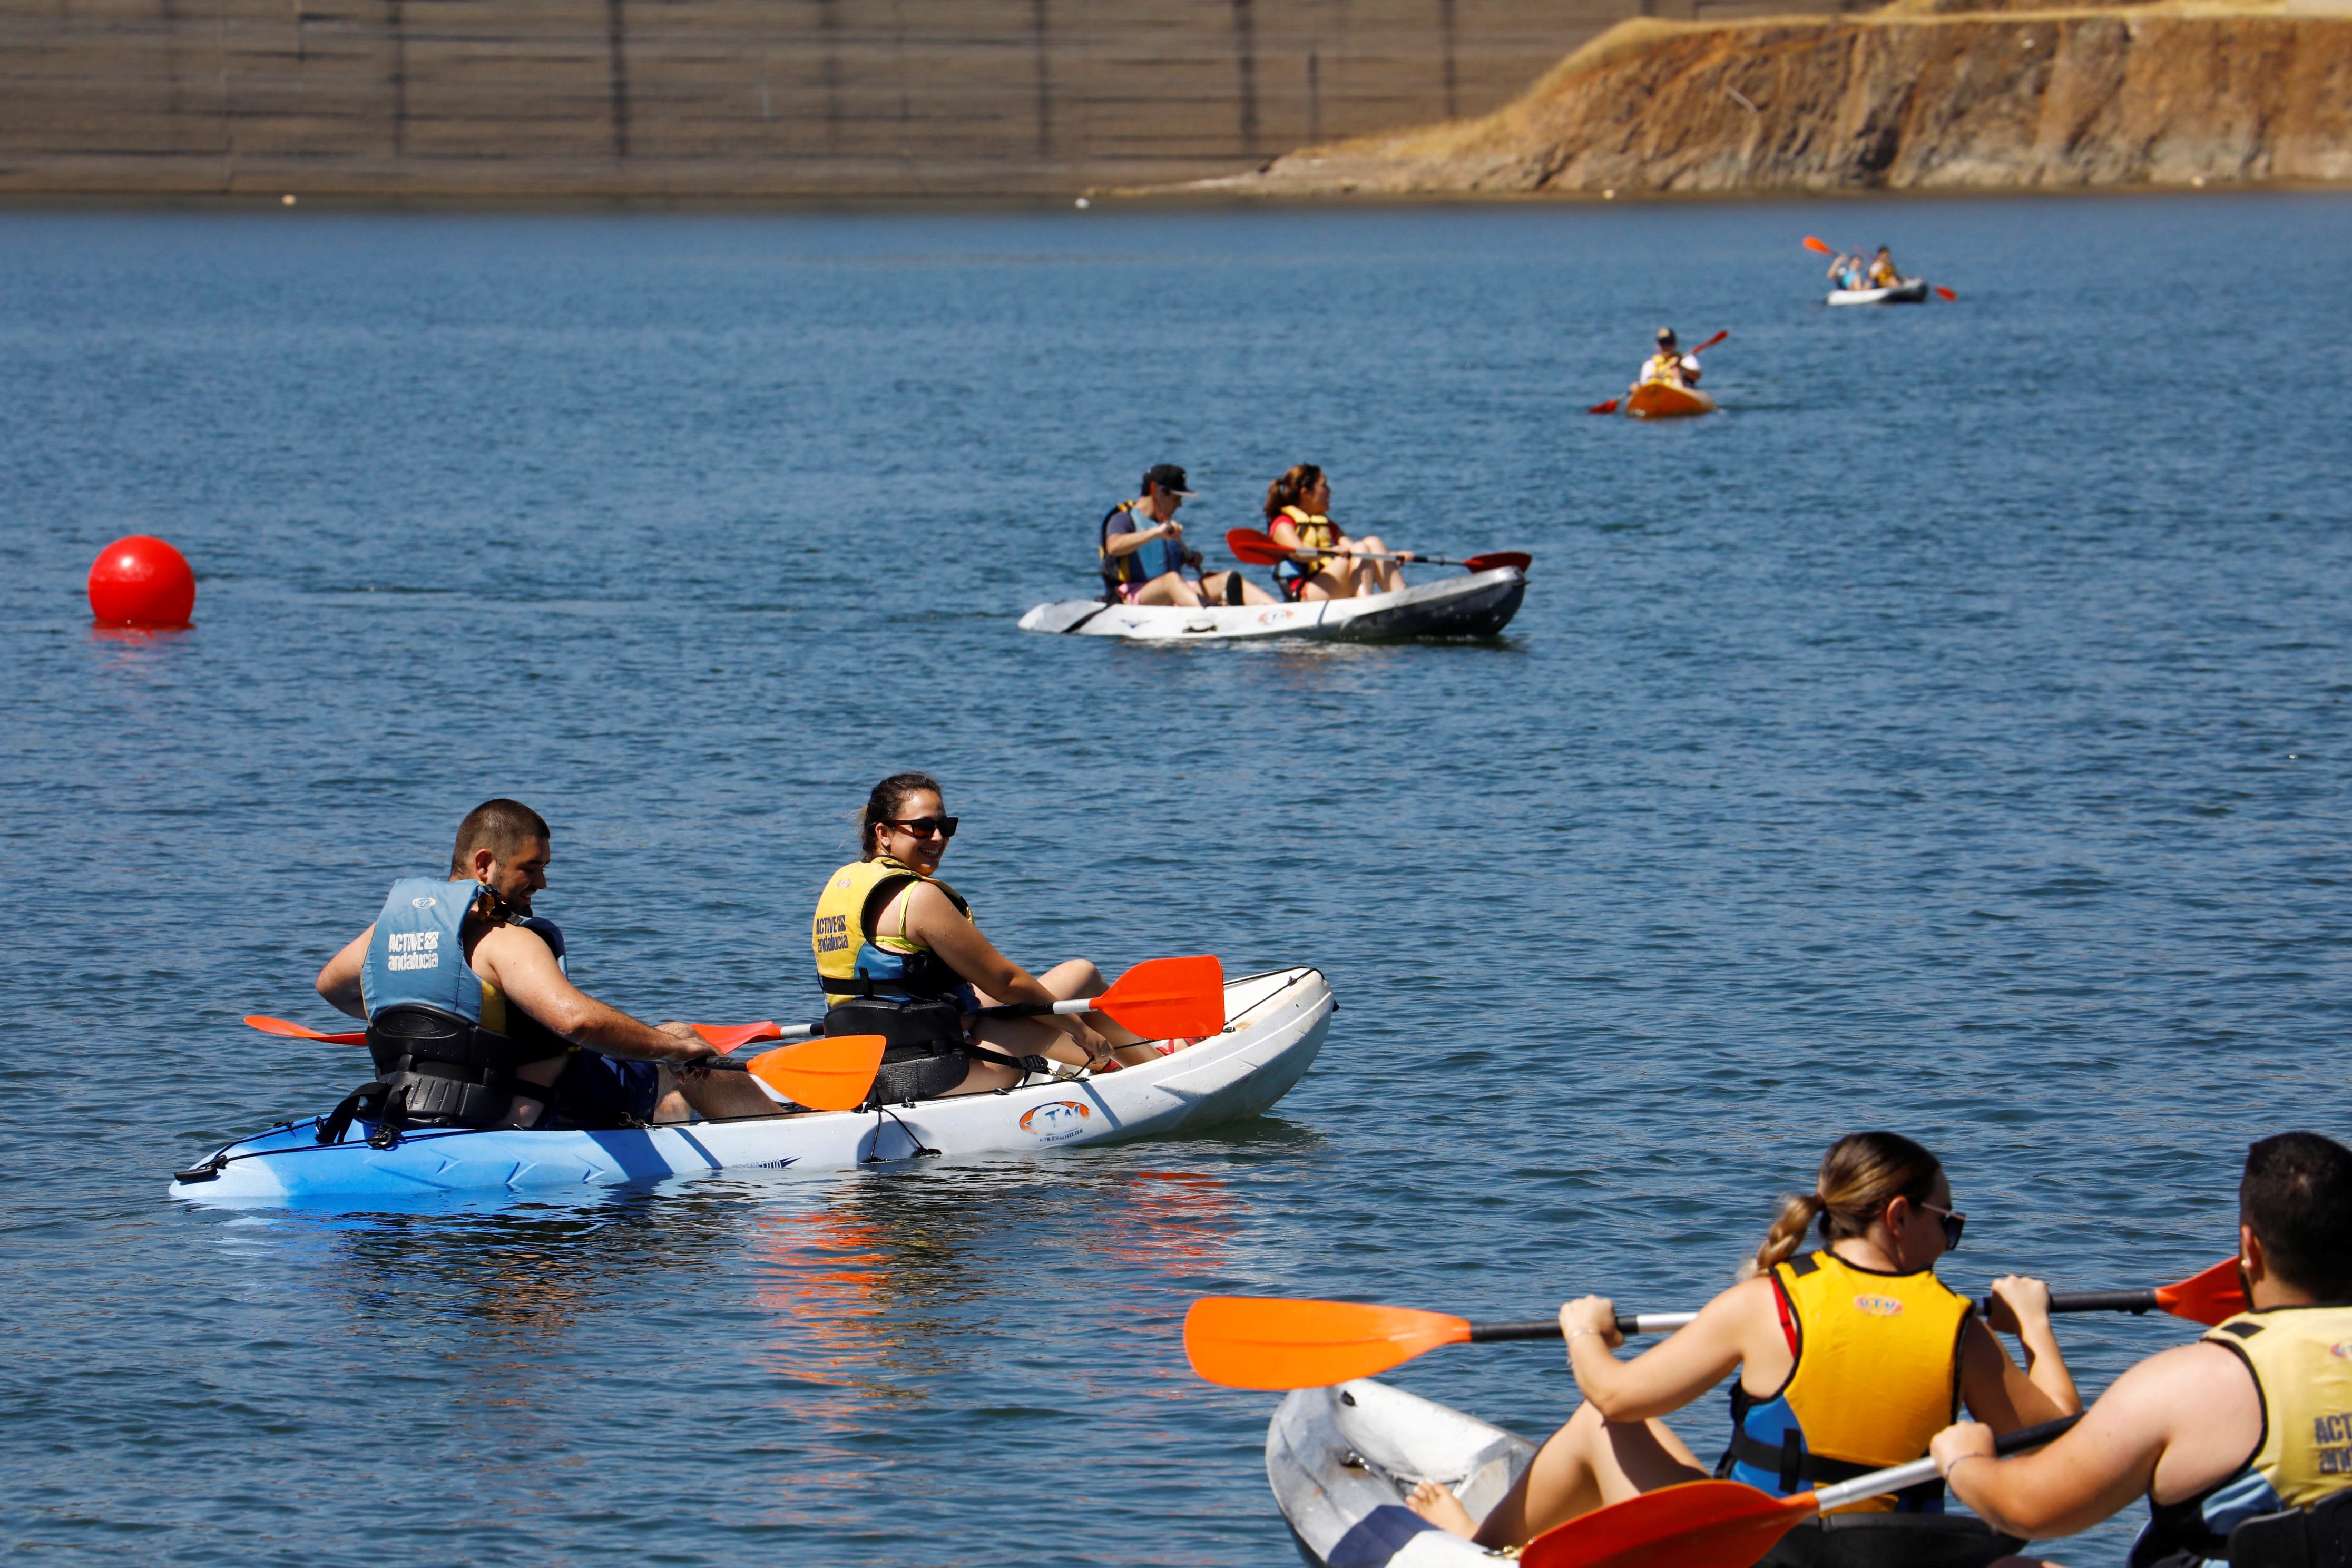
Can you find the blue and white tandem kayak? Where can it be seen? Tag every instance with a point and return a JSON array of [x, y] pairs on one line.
[[1275, 1024]]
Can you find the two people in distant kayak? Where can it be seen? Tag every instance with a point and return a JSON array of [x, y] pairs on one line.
[[1144, 557], [1851, 1358], [471, 1018], [1851, 272], [2241, 1442], [1669, 365], [899, 955]]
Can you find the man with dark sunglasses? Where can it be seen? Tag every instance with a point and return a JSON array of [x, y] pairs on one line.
[[1141, 547], [2241, 1442]]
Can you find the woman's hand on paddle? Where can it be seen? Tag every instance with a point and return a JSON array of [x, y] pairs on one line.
[[2019, 1302], [1958, 1442], [1591, 1314]]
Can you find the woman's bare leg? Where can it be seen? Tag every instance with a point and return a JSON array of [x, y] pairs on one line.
[[1384, 576], [1329, 584], [1588, 1464], [1078, 978]]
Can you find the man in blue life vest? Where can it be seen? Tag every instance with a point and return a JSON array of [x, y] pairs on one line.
[[1143, 556], [524, 1045], [2240, 1441]]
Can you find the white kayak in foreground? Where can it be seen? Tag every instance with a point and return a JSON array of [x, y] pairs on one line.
[[1341, 1461], [1275, 1024], [1477, 606], [1910, 291]]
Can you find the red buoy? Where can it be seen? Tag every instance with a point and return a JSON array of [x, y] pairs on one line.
[[141, 582]]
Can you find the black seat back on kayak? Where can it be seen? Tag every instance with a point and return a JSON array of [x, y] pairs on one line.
[[434, 1069], [1891, 1540], [923, 1053], [2320, 1537]]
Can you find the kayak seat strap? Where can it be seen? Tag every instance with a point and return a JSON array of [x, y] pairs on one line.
[[1797, 1468]]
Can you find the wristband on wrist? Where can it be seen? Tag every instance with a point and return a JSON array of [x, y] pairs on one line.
[[1571, 1338], [1963, 1459]]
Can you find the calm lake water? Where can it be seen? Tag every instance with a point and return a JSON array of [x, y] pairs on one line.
[[1950, 735]]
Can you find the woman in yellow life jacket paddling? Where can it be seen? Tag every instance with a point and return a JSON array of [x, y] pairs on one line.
[[1850, 1359], [1296, 515], [899, 956]]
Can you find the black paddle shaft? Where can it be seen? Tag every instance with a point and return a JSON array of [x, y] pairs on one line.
[[2095, 1302], [1536, 1328]]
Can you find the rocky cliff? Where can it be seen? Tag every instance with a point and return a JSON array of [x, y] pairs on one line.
[[1917, 96]]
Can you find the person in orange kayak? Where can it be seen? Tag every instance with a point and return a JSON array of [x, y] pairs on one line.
[[898, 956], [1143, 555], [1297, 508], [1669, 365], [2241, 1442], [1851, 1358], [1883, 274]]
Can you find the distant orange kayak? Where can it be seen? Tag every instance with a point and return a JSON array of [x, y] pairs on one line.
[[1664, 400]]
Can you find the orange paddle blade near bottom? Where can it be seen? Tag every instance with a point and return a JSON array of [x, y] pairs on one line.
[[287, 1029], [1699, 1524], [831, 1074], [1273, 1342], [2214, 1297], [1168, 998], [1818, 247]]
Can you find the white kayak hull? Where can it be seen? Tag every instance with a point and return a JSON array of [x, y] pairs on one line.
[[1275, 1025], [1911, 291], [1479, 605], [1341, 1460]]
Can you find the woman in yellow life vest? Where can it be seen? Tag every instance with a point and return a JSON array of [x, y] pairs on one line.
[[899, 956], [1297, 508], [1850, 1359]]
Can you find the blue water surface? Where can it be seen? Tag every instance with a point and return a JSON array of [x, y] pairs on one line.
[[1948, 735]]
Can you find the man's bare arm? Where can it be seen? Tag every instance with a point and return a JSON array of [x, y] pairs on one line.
[[524, 968], [338, 982]]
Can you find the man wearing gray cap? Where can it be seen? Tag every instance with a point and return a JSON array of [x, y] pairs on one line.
[[1143, 554]]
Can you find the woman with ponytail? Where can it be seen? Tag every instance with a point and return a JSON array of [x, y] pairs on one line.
[[1850, 1358], [1296, 518]]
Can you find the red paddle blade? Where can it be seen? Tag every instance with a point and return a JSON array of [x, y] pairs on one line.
[[725, 1037], [1699, 1524], [830, 1074], [1257, 548], [1712, 341], [1168, 998], [1246, 1341], [1608, 407], [2214, 1297], [1819, 245], [1944, 293], [293, 1031], [1517, 558]]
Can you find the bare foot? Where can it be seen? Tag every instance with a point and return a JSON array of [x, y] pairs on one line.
[[1438, 1505]]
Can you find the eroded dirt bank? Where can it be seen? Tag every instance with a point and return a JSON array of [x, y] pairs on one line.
[[1904, 99]]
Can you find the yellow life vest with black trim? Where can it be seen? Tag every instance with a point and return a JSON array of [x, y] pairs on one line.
[[1315, 533], [1877, 1374], [2301, 1361], [1667, 367], [851, 960]]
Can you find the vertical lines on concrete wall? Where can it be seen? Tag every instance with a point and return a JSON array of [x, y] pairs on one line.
[[1042, 36], [828, 23], [616, 41], [393, 23], [1246, 66], [1446, 40]]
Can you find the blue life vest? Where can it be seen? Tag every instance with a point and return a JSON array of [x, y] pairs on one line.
[[417, 955], [1155, 559]]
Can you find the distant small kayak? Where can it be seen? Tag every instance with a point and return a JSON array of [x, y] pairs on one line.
[[1664, 400], [1910, 291], [1477, 606]]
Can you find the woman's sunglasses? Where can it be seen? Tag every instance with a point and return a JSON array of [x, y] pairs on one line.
[[926, 826], [1953, 1223]]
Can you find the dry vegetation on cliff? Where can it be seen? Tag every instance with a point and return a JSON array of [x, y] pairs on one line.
[[1920, 95]]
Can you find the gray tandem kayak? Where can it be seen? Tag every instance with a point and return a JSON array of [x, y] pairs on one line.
[[1479, 605]]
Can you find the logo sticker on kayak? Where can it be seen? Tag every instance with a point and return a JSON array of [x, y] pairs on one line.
[[1056, 1121], [1276, 617], [1878, 1306]]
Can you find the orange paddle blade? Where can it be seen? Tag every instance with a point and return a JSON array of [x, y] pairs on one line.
[[1944, 293], [1698, 1524], [293, 1031], [725, 1037], [1256, 548], [1815, 245], [1168, 998], [2214, 1297], [830, 1074], [1608, 407], [1271, 1342]]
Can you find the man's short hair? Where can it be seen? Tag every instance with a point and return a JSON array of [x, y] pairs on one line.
[[501, 827], [2297, 1197]]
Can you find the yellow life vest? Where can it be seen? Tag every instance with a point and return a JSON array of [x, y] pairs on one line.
[[1877, 1374], [1882, 275], [1315, 533], [848, 950], [1668, 368]]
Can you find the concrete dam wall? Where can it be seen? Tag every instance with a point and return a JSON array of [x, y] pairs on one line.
[[720, 98]]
